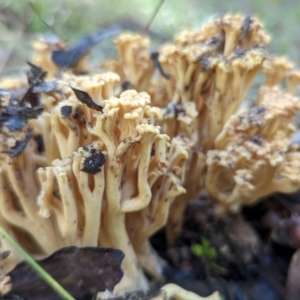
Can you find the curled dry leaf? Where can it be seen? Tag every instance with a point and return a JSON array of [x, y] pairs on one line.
[[36, 80], [70, 58], [15, 117], [81, 271], [35, 74], [85, 98]]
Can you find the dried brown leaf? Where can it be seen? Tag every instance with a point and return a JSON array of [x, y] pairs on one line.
[[81, 271]]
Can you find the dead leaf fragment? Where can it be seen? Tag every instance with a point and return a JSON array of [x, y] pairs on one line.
[[81, 271], [85, 98]]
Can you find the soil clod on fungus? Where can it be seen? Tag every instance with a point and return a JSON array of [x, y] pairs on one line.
[[94, 162], [66, 110]]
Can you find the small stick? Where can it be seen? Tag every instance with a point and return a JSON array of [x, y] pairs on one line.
[[35, 11], [153, 16]]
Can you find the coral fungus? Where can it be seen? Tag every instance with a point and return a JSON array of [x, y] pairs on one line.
[[109, 159]]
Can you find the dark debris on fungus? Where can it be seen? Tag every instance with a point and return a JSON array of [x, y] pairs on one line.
[[205, 63], [66, 111], [256, 139], [15, 118], [126, 85], [20, 146], [154, 56], [246, 26], [13, 123], [94, 163]]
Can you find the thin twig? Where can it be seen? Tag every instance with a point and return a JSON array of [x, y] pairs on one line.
[[153, 16], [36, 12]]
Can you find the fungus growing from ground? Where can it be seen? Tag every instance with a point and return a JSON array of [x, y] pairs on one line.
[[252, 156], [103, 177], [134, 64], [102, 167], [209, 72], [203, 89]]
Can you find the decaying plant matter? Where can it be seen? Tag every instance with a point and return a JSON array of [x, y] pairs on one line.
[[115, 157]]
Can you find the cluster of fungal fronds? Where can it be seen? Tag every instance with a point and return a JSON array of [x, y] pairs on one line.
[[114, 157], [107, 178], [200, 82], [252, 156]]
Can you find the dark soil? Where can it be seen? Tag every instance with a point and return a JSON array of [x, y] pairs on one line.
[[247, 263]]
